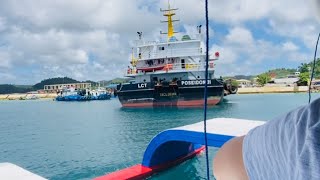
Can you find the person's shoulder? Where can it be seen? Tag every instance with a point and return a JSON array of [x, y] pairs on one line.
[[315, 104]]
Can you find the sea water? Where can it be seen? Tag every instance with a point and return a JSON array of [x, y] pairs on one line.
[[83, 140]]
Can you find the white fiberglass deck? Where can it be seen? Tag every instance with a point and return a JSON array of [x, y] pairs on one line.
[[10, 171], [224, 126]]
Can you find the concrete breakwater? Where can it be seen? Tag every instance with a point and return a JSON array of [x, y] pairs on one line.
[[266, 89], [23, 96]]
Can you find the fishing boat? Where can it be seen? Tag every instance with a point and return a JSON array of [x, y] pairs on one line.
[[100, 94], [171, 72], [71, 94]]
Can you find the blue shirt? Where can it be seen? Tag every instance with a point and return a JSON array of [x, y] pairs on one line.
[[287, 147]]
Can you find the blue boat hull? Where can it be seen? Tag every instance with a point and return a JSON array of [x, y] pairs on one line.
[[83, 98]]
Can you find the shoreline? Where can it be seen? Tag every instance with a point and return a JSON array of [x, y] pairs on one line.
[[25, 96], [272, 89], [246, 90]]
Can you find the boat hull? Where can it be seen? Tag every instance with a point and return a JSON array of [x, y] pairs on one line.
[[182, 94], [83, 98]]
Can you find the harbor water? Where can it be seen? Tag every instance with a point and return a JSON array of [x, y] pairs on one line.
[[83, 140]]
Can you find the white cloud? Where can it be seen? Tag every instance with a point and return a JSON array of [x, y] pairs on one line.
[[90, 39], [306, 32], [7, 78], [289, 18], [240, 53], [227, 56], [289, 46], [78, 15], [76, 33], [240, 36], [4, 59], [316, 8], [2, 24]]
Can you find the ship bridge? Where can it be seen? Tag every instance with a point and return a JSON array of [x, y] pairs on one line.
[[170, 49], [170, 56]]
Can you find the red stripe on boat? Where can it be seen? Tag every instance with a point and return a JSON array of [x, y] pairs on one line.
[[199, 102], [142, 104], [134, 172], [150, 69], [140, 172], [179, 103]]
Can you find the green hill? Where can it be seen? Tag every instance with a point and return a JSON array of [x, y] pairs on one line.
[[93, 84], [281, 72], [115, 81], [50, 81], [9, 88]]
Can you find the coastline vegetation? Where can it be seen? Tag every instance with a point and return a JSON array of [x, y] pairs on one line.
[[262, 79], [11, 88]]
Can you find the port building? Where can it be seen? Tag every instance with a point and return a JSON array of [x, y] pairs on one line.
[[57, 87]]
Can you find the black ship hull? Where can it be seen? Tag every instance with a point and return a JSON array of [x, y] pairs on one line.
[[184, 93]]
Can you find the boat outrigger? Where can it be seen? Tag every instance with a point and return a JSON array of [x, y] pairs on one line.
[[171, 72]]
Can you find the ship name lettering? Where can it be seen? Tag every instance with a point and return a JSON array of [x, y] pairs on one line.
[[168, 94], [195, 82], [143, 85]]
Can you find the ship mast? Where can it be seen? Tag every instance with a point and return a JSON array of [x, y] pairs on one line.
[[169, 13]]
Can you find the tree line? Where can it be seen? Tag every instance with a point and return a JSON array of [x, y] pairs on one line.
[[304, 77], [10, 88]]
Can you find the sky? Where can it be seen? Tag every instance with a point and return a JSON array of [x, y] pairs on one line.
[[92, 39]]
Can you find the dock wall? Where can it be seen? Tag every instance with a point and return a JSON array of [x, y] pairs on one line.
[[266, 89]]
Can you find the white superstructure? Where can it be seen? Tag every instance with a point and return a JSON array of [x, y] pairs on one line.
[[182, 59]]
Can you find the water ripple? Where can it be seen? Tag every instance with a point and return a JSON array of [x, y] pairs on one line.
[[83, 140]]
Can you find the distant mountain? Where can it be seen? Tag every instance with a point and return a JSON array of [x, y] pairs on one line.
[[93, 84], [8, 89], [115, 81], [50, 81], [281, 72], [274, 73], [243, 77], [237, 77]]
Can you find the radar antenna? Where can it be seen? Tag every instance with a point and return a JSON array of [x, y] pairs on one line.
[[169, 13]]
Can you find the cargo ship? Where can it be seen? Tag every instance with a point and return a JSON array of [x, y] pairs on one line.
[[171, 72]]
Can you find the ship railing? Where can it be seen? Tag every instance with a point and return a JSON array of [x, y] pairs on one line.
[[172, 53], [192, 66], [178, 67], [144, 43], [131, 72]]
